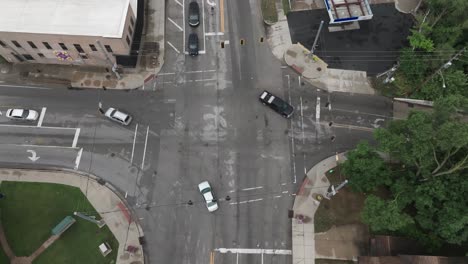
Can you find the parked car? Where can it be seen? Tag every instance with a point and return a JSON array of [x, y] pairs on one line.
[[22, 114], [194, 14], [277, 104], [193, 44], [206, 191], [118, 116]]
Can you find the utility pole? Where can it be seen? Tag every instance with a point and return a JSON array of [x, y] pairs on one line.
[[312, 50], [108, 59], [445, 65]]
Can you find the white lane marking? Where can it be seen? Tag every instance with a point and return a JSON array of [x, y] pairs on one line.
[[214, 34], [284, 183], [38, 146], [170, 44], [254, 251], [277, 196], [232, 191], [210, 3], [226, 42], [302, 122], [249, 201], [237, 258], [26, 87], [253, 188], [71, 128], [154, 86], [144, 150], [292, 133], [204, 80], [284, 192], [41, 117], [78, 159], [134, 140], [305, 168], [317, 109], [33, 157], [166, 73], [299, 80], [179, 3], [202, 52], [336, 125], [200, 71], [175, 24], [204, 31], [75, 139]]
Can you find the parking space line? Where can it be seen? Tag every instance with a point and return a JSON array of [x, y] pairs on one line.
[[41, 117], [78, 159], [134, 140], [144, 150], [172, 46], [204, 31], [75, 139], [175, 24], [179, 3], [183, 21]]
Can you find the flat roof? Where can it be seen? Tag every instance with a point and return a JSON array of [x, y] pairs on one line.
[[104, 18], [346, 10]]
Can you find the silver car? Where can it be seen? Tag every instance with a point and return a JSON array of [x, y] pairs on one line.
[[206, 191], [22, 114], [118, 116]]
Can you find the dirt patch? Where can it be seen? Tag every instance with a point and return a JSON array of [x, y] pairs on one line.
[[343, 242]]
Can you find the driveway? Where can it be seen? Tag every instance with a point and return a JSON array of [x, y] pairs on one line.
[[373, 48]]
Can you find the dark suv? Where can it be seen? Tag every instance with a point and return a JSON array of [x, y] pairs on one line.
[[193, 44], [277, 104], [193, 14]]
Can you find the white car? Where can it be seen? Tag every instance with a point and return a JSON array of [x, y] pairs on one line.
[[118, 116], [205, 190], [22, 114]]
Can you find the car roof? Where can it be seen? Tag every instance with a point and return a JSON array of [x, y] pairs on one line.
[[193, 5], [17, 112], [120, 115]]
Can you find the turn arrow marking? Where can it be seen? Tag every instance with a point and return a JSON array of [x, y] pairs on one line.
[[33, 158]]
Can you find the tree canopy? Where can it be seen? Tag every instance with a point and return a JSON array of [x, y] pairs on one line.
[[425, 170]]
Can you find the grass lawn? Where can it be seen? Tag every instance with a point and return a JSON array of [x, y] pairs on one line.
[[269, 11], [30, 211], [333, 261], [343, 208]]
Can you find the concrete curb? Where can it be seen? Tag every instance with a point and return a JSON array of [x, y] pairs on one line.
[[123, 256]]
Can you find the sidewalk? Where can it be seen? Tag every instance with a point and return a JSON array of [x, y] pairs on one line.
[[102, 197], [305, 205]]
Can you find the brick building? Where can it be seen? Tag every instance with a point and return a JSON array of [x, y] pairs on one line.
[[78, 32]]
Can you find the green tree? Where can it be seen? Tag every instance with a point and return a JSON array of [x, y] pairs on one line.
[[365, 169], [383, 215]]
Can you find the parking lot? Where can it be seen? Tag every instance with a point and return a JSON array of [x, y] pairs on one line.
[[373, 48]]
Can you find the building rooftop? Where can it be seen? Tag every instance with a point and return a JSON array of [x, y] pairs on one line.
[[66, 17]]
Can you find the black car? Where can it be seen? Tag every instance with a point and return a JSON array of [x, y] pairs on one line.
[[277, 104], [193, 14], [193, 44]]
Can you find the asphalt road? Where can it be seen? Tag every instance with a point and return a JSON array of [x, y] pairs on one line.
[[199, 120], [373, 48]]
